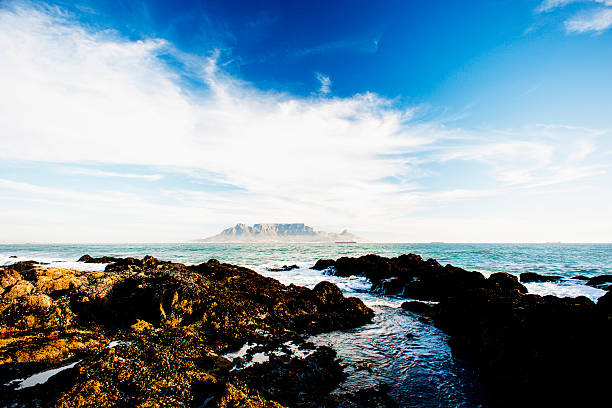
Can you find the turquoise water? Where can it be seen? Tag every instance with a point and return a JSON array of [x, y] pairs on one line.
[[558, 259]]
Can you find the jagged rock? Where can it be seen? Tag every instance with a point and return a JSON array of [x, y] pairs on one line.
[[103, 259], [322, 264], [168, 321], [604, 305], [294, 381], [600, 281], [21, 288], [524, 346], [535, 277], [39, 300], [504, 284], [412, 277], [374, 397], [419, 307]]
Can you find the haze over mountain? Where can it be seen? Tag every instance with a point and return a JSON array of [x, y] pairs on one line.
[[297, 232]]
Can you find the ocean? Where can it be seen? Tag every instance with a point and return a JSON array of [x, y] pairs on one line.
[[398, 348]]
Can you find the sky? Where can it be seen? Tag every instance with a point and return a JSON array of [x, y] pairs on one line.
[[401, 121]]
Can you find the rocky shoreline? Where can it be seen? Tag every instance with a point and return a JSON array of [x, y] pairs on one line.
[[153, 333], [146, 332], [529, 350]]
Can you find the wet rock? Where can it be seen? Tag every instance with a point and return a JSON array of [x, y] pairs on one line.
[[505, 284], [535, 277], [604, 305], [283, 268], [374, 397], [412, 277], [22, 266], [170, 321], [524, 346], [322, 264], [419, 307], [302, 382], [601, 281], [103, 259]]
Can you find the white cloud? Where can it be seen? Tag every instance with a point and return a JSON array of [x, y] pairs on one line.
[[597, 20], [325, 83], [548, 5], [586, 20], [74, 95], [101, 173]]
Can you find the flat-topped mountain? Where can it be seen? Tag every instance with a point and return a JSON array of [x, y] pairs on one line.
[[298, 232]]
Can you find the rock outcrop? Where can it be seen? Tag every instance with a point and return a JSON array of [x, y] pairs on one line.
[[546, 350], [103, 259], [150, 333], [412, 277], [529, 350]]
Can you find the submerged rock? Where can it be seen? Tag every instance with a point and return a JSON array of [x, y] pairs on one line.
[[535, 277], [148, 332], [283, 268]]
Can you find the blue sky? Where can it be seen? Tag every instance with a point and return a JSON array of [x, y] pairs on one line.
[[157, 121]]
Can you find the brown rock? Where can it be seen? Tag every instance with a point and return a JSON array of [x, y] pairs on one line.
[[39, 300], [21, 288], [142, 326]]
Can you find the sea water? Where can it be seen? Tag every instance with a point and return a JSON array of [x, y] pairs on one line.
[[398, 348]]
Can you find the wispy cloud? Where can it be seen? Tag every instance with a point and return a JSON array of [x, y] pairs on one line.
[[325, 82], [597, 20], [585, 20], [548, 5], [76, 96], [367, 45], [101, 173]]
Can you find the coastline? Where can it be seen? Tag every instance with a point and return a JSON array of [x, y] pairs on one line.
[[310, 277]]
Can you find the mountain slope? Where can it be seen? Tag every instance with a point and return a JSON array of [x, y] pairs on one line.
[[242, 233]]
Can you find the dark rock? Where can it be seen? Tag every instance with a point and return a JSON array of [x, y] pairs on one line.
[[581, 277], [13, 256], [600, 281], [419, 307], [283, 268], [103, 259], [322, 264], [524, 346], [374, 397], [412, 277], [604, 305], [296, 382], [535, 277], [22, 266], [505, 284]]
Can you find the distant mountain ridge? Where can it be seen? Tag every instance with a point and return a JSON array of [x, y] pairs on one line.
[[271, 232]]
